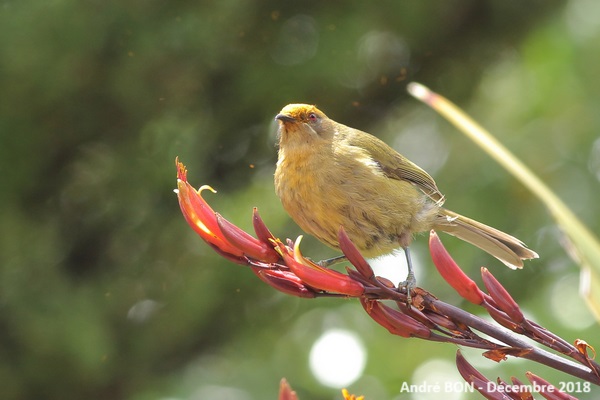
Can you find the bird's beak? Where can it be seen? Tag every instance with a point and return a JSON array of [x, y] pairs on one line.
[[284, 118]]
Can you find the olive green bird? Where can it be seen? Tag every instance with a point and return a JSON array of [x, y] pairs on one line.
[[330, 175]]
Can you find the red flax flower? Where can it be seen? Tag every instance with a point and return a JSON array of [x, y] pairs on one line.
[[200, 216], [452, 273], [281, 265]]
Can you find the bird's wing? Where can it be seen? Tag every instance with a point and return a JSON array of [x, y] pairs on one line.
[[395, 165]]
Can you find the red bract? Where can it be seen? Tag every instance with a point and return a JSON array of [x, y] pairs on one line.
[[477, 379], [250, 246], [503, 319], [442, 320], [199, 215], [503, 300], [405, 323], [262, 232], [467, 370], [353, 255], [285, 282], [452, 273], [394, 321], [316, 276], [373, 308]]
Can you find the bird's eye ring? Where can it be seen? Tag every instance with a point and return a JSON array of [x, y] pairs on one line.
[[312, 117]]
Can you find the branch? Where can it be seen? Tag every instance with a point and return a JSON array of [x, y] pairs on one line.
[[282, 266]]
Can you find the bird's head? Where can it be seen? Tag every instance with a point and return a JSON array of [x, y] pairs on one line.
[[303, 123]]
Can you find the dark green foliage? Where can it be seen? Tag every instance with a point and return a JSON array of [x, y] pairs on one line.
[[104, 290]]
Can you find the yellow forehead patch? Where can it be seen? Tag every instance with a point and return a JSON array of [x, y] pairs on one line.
[[300, 111]]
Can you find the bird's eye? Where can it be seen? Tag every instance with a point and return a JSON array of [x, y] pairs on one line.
[[312, 117]]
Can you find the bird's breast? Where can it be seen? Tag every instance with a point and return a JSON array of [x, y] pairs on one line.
[[322, 192]]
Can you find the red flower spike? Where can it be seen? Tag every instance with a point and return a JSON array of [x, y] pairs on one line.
[[316, 276], [502, 298], [373, 308], [199, 215], [262, 232], [250, 246], [452, 273], [285, 282], [353, 255], [546, 389]]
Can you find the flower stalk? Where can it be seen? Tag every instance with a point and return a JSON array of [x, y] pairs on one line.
[[283, 267]]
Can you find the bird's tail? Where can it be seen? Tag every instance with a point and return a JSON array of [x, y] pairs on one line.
[[508, 249]]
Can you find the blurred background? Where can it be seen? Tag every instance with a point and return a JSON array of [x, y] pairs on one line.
[[106, 293]]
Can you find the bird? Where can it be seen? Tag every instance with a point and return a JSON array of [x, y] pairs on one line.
[[329, 175]]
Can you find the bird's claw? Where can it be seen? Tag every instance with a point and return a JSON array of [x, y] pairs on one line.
[[409, 284]]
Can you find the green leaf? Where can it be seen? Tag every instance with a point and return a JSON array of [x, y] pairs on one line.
[[580, 243]]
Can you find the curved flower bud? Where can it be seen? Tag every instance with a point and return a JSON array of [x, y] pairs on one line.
[[199, 215], [405, 322], [442, 320], [353, 255], [452, 273], [329, 280], [250, 246], [284, 281], [316, 276], [262, 232], [502, 318], [503, 299], [476, 378], [394, 321], [373, 308]]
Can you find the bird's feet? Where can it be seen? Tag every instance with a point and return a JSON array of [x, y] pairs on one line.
[[409, 284]]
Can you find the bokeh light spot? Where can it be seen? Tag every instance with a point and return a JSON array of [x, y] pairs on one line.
[[337, 358]]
